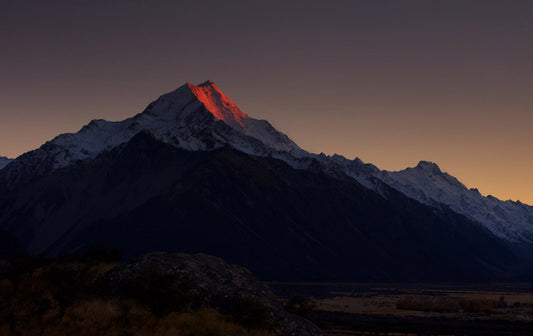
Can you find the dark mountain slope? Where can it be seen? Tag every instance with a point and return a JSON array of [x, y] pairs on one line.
[[282, 223]]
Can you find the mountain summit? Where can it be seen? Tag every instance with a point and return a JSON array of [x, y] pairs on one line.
[[219, 105], [429, 166], [191, 117]]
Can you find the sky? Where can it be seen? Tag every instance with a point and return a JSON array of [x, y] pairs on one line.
[[390, 82]]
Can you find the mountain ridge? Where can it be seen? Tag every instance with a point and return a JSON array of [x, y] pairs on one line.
[[511, 221], [202, 118], [259, 212]]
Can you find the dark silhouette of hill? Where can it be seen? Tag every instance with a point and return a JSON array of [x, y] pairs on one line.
[[282, 223]]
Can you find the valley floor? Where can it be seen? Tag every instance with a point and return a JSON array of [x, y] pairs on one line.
[[412, 309]]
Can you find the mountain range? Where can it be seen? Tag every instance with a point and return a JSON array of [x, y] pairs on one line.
[[194, 173]]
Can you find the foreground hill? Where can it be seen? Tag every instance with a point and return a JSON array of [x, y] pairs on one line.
[[155, 294]]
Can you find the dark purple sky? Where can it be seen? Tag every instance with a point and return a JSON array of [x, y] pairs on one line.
[[392, 82]]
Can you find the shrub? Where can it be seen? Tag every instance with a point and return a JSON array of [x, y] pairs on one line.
[[24, 265], [246, 311], [204, 322], [502, 303], [300, 305]]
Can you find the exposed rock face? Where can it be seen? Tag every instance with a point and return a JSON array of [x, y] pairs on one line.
[[211, 282]]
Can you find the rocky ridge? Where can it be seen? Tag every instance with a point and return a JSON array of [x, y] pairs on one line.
[[211, 282]]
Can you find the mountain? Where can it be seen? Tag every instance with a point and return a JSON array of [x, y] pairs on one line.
[[4, 161], [282, 223], [508, 220], [191, 117], [193, 173], [203, 118], [512, 221]]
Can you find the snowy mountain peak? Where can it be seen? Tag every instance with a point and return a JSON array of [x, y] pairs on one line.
[[206, 83], [429, 167], [192, 117]]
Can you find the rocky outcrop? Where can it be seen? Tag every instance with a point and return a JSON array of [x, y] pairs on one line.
[[201, 280]]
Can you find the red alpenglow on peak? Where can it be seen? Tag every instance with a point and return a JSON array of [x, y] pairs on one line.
[[218, 104]]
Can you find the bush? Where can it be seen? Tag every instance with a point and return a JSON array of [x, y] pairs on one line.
[[502, 303], [300, 305], [67, 284], [443, 304], [246, 311], [24, 265]]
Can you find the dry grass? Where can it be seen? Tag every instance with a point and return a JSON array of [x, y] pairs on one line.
[[203, 322], [60, 299], [450, 304], [434, 301]]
